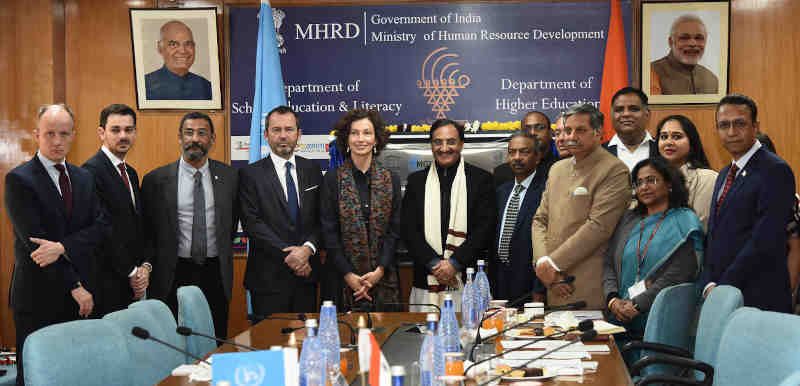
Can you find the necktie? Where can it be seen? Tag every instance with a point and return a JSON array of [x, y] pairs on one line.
[[198, 249], [124, 174], [291, 199], [509, 224], [728, 182], [66, 188]]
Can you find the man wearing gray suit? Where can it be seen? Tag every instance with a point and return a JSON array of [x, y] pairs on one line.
[[190, 219]]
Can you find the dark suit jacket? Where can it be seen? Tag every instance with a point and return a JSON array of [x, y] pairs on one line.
[[123, 250], [518, 276], [265, 216], [36, 209], [160, 203], [480, 222], [746, 244], [613, 148]]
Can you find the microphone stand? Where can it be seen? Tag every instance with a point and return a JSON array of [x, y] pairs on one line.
[[186, 331]]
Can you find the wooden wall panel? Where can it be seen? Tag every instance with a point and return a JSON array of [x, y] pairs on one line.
[[97, 69]]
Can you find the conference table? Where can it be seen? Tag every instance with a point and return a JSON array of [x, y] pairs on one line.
[[611, 369]]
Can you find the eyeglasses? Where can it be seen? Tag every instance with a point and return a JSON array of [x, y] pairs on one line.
[[191, 132], [535, 127], [649, 180]]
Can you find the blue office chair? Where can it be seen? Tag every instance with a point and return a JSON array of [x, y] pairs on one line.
[[669, 322], [757, 348], [194, 312], [151, 361], [82, 352], [714, 316]]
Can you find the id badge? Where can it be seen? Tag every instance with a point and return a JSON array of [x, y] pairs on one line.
[[636, 289]]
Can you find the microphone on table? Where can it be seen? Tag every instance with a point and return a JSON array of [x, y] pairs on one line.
[[585, 336], [143, 334], [186, 331], [514, 303], [565, 307], [257, 318], [431, 305], [583, 326]]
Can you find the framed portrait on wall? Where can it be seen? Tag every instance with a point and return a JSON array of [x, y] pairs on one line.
[[176, 58], [685, 51]]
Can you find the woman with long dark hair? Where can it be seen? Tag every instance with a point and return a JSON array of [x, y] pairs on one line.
[[361, 213], [679, 144], [657, 244]]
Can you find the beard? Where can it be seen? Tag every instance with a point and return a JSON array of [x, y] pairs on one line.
[[194, 151]]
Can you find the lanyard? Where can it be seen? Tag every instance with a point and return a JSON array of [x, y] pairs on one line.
[[641, 255]]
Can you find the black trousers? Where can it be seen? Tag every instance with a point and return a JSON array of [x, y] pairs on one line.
[[302, 297], [27, 323], [208, 277]]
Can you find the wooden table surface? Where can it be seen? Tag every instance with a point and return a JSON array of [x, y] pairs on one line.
[[610, 372]]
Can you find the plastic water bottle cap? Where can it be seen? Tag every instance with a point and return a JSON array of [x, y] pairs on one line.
[[275, 348], [432, 317], [448, 297], [327, 303], [311, 323], [398, 371], [470, 271], [481, 262]]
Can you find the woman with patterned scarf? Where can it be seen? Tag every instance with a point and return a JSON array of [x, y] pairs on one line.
[[361, 214]]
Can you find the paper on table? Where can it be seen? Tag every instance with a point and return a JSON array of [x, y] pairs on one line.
[[605, 328]]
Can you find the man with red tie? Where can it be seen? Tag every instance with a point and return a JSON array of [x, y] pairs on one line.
[[751, 206], [121, 271], [58, 222]]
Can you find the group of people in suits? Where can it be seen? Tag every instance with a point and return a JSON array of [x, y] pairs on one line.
[[557, 221]]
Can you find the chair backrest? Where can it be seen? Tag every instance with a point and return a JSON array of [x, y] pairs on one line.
[[671, 316], [714, 316], [792, 380], [82, 352], [758, 348], [194, 312], [151, 361]]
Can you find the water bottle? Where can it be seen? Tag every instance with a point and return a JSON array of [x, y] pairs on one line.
[[329, 336], [426, 352], [468, 302], [483, 293], [447, 339], [312, 363], [398, 375]]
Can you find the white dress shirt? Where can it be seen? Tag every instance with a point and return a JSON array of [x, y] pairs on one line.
[[186, 209], [116, 161], [526, 183], [280, 169], [631, 158], [50, 167]]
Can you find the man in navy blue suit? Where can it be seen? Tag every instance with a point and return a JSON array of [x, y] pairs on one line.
[[58, 222], [512, 273], [750, 209]]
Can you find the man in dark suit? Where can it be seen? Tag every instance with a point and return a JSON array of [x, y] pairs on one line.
[[751, 206], [279, 198], [448, 218], [630, 116], [58, 222], [538, 124], [190, 220], [512, 274], [121, 273]]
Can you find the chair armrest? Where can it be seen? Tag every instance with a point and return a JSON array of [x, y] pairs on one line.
[[668, 380], [658, 347], [685, 363]]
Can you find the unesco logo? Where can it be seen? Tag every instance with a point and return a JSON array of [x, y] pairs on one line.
[[251, 374]]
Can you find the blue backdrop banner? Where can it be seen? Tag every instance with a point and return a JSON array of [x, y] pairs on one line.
[[419, 62]]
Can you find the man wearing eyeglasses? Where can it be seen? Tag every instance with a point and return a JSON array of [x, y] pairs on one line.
[[190, 220], [751, 206], [538, 124], [173, 81], [584, 198]]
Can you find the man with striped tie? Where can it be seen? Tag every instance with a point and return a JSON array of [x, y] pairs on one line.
[[512, 275]]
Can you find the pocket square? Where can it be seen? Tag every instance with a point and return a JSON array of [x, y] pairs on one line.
[[310, 188], [580, 191]]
